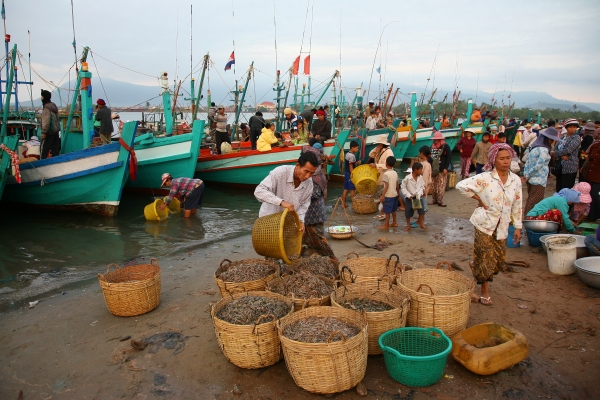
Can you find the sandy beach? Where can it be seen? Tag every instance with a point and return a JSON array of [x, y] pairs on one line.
[[70, 347]]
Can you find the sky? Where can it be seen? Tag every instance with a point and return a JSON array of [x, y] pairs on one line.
[[492, 46]]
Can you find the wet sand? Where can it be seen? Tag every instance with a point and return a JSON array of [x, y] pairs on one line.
[[68, 346]]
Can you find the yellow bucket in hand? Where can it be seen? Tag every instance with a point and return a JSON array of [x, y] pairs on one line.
[[152, 213], [174, 206], [365, 179]]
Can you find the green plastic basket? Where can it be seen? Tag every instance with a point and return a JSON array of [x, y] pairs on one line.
[[415, 356]]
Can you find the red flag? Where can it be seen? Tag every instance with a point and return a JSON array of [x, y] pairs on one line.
[[307, 65], [296, 66]]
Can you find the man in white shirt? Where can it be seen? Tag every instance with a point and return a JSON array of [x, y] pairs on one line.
[[288, 186], [413, 187]]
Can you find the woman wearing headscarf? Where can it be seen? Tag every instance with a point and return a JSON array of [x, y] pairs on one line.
[[591, 174], [498, 192], [536, 168], [555, 209], [581, 210], [567, 154], [313, 237], [440, 151]]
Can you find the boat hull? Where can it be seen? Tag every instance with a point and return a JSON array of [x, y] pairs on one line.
[[89, 180], [12, 142], [250, 167], [176, 155]]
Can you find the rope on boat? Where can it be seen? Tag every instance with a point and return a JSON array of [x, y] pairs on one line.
[[100, 79]]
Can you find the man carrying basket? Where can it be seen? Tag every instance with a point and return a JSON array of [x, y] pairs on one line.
[[288, 186]]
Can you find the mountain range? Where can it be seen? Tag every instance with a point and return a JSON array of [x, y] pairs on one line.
[[125, 94]]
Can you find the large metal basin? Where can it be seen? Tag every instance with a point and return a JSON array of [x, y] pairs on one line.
[[582, 250], [541, 226], [589, 271]]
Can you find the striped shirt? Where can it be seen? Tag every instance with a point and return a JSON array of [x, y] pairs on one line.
[[279, 186], [182, 187], [221, 121]]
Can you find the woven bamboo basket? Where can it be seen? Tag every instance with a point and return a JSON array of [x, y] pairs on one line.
[[249, 346], [326, 367], [359, 269], [226, 288], [278, 236], [364, 178], [133, 290], [300, 303], [349, 230], [364, 204], [381, 321], [439, 298]]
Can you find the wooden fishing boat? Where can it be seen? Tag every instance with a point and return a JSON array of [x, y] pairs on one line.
[[246, 167], [82, 178], [176, 155]]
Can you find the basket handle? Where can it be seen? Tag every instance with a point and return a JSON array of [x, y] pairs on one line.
[[435, 332], [352, 252], [153, 260], [446, 263], [336, 333], [352, 276], [390, 259], [116, 266], [424, 284], [229, 261], [333, 213], [258, 321]]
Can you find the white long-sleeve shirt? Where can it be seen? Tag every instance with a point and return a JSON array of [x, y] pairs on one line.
[[411, 187], [279, 186], [504, 202]]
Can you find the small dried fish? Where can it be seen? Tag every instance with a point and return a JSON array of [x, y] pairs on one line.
[[248, 309], [319, 329], [301, 285], [245, 271], [367, 305], [317, 265]]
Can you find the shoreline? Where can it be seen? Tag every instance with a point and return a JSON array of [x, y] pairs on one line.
[[69, 346]]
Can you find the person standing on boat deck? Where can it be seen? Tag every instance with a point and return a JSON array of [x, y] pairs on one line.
[[191, 190], [104, 115], [308, 115], [221, 135], [498, 192], [321, 128], [50, 127], [257, 123], [369, 109], [288, 186]]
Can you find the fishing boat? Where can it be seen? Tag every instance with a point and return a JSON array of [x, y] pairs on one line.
[[82, 177], [159, 151], [9, 143]]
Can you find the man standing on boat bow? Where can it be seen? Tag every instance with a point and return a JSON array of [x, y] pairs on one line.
[[288, 186], [104, 115]]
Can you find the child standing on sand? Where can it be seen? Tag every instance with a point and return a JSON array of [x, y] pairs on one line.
[[390, 194], [349, 164], [413, 188]]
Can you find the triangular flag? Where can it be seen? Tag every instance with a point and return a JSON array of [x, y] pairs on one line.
[[379, 70], [307, 65], [296, 66], [230, 62]]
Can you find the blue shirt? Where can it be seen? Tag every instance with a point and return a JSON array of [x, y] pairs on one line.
[[536, 167]]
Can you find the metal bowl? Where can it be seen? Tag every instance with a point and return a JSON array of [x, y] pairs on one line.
[[582, 250], [588, 269], [541, 226]]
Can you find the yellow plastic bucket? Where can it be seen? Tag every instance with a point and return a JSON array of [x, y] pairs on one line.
[[365, 179], [152, 213], [174, 206]]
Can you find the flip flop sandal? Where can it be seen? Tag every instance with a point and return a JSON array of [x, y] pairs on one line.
[[442, 205], [486, 301], [381, 217]]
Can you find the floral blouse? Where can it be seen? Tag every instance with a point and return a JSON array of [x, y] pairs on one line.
[[536, 167], [569, 146], [504, 202]]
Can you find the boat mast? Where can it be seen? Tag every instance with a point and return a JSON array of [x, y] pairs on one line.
[[166, 97], [196, 100], [9, 82], [67, 131], [239, 108]]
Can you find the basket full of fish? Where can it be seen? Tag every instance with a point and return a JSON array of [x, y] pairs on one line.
[[245, 275], [304, 288]]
